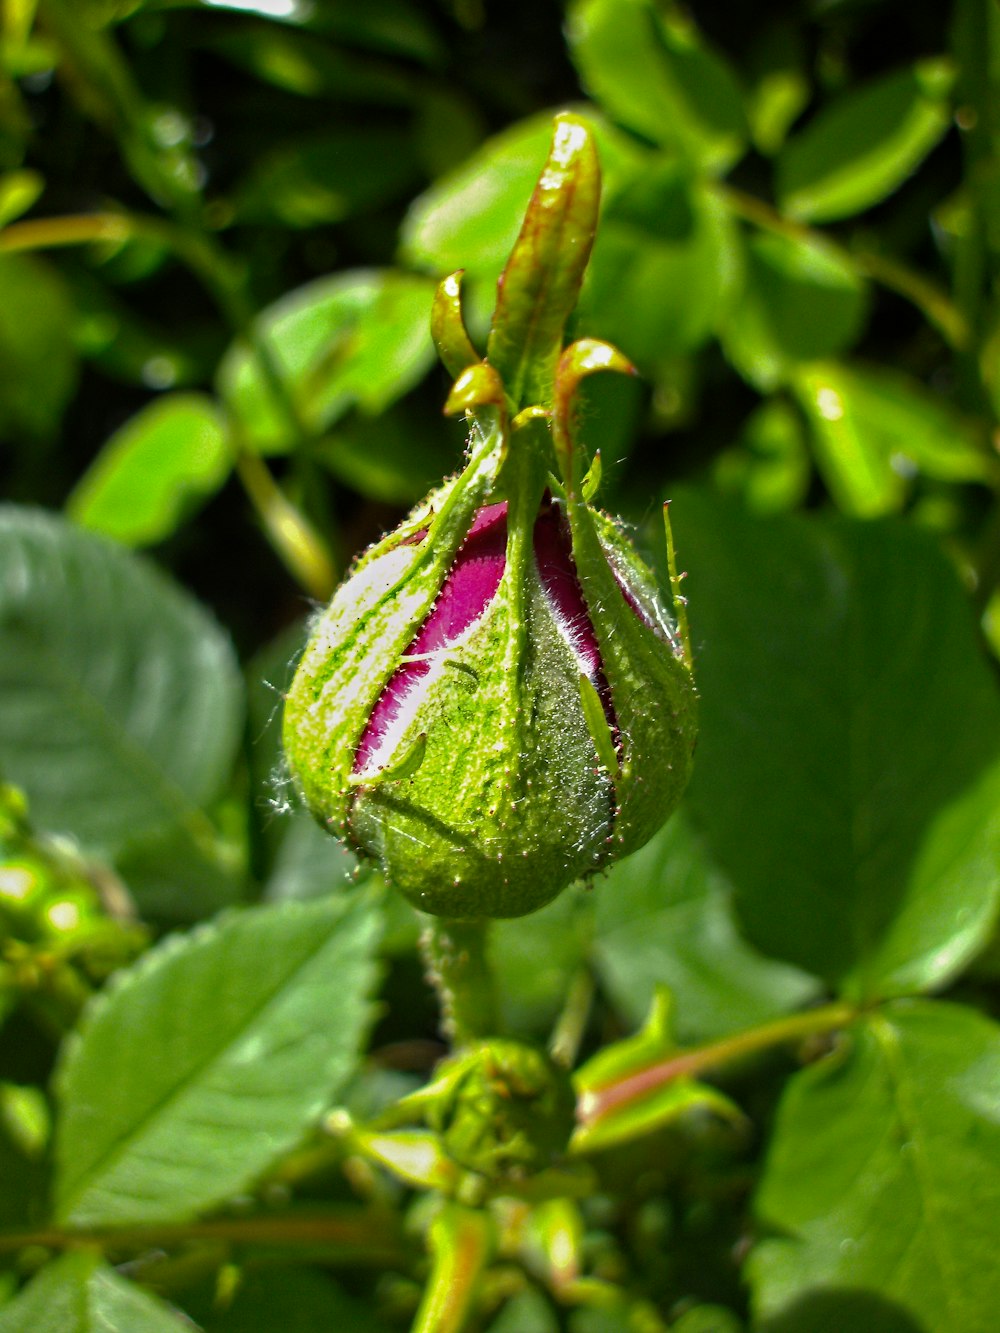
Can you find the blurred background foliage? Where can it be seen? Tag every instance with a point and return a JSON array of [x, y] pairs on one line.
[[221, 224]]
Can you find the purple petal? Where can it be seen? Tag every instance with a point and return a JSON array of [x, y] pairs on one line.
[[471, 585], [561, 584]]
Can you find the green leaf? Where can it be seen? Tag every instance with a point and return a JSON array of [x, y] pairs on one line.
[[170, 456], [665, 264], [298, 1300], [534, 968], [526, 1312], [38, 368], [652, 72], [848, 774], [360, 338], [395, 457], [121, 698], [328, 177], [863, 146], [663, 917], [881, 1181], [177, 876], [19, 191], [313, 66], [769, 464], [256, 1024], [79, 1293], [800, 300], [874, 428]]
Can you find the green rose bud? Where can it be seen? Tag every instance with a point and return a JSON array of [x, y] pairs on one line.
[[497, 702], [508, 1111]]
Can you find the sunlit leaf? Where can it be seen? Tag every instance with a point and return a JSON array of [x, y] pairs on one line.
[[170, 456], [666, 262], [800, 300], [652, 71], [18, 191], [863, 146], [874, 428], [256, 1023], [360, 338], [79, 1293]]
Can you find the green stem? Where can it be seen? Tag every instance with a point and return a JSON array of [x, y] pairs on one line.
[[288, 530], [293, 538], [455, 956], [460, 1246], [568, 1032], [353, 1236], [595, 1103]]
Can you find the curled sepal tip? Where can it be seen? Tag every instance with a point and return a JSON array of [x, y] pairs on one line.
[[454, 346], [541, 282], [584, 357], [477, 386]]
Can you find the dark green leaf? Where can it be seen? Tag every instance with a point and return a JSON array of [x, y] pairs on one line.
[[298, 1300], [328, 177], [204, 1063], [38, 368], [395, 457], [848, 774], [881, 1181], [169, 457], [874, 428], [800, 300], [534, 968], [863, 146], [80, 1294], [312, 67], [176, 875], [122, 702], [769, 463], [651, 71], [361, 338], [663, 917]]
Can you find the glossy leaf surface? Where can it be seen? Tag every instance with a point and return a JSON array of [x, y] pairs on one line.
[[880, 1189], [255, 1023]]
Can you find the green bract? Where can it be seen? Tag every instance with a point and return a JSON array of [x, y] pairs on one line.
[[496, 702]]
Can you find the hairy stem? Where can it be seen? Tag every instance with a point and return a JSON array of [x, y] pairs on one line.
[[455, 957], [460, 1245], [353, 1236], [595, 1103]]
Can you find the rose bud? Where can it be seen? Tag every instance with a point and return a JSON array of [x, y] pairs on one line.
[[497, 702]]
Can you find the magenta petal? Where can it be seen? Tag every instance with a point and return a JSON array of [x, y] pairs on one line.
[[471, 585], [559, 579], [558, 576]]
